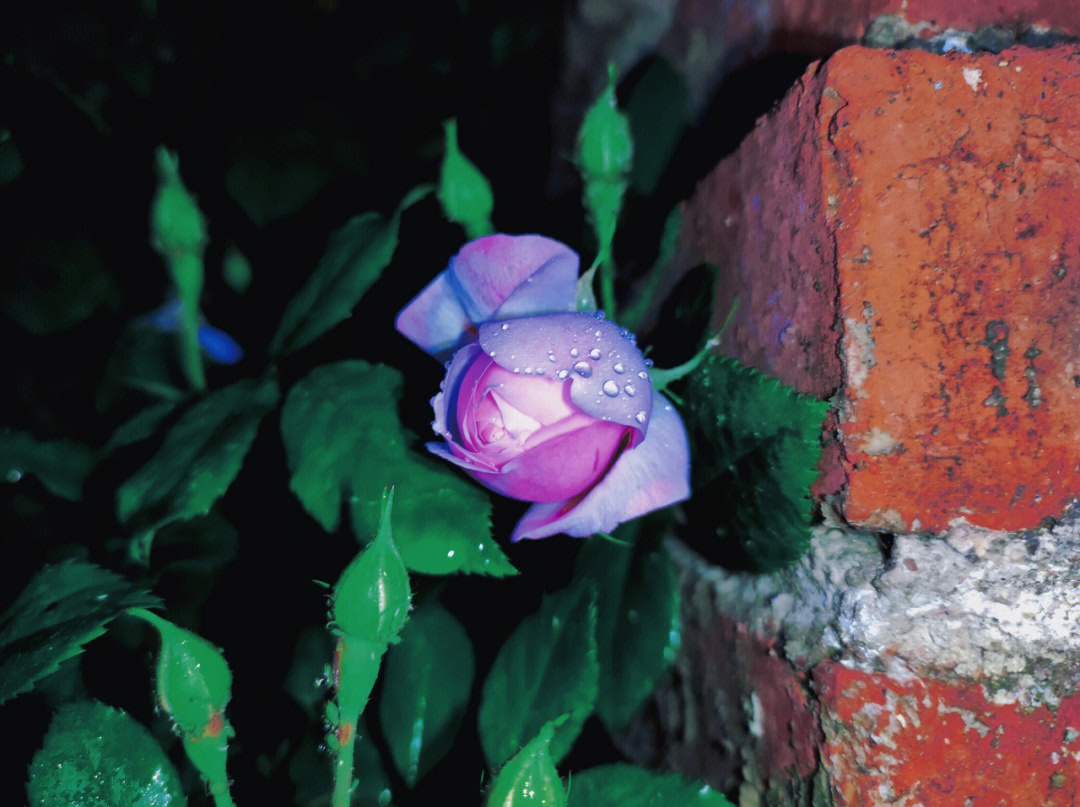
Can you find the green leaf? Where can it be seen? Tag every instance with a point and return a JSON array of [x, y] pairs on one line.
[[464, 192], [354, 259], [622, 785], [141, 426], [306, 680], [428, 678], [236, 270], [97, 756], [201, 455], [638, 624], [344, 443], [657, 110], [548, 667], [276, 177], [78, 285], [60, 465], [62, 608], [763, 447], [191, 555], [530, 777]]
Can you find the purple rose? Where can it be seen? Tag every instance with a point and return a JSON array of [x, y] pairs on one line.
[[542, 403]]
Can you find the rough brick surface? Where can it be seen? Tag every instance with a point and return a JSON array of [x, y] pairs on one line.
[[945, 674], [924, 210]]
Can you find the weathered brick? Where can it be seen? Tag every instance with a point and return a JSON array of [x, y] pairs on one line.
[[922, 210]]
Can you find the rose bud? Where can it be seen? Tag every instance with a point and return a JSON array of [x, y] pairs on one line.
[[543, 405]]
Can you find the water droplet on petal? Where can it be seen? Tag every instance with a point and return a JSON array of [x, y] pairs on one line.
[[594, 354], [492, 354], [562, 374], [618, 368], [611, 389], [573, 352], [629, 390], [539, 370], [506, 326], [641, 417], [648, 362], [446, 365], [582, 369], [642, 374], [551, 357], [517, 369], [598, 334], [528, 371]]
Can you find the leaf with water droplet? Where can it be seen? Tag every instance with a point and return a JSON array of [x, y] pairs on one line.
[[546, 668], [623, 785], [344, 442], [62, 608], [353, 261], [638, 624], [60, 465], [428, 678], [97, 756], [200, 457]]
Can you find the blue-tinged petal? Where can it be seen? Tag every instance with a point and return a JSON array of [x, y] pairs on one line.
[[219, 346], [653, 475], [609, 377], [434, 321], [528, 274]]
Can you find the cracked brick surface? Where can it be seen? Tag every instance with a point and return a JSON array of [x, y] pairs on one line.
[[904, 230]]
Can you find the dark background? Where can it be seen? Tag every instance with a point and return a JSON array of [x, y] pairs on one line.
[[89, 90]]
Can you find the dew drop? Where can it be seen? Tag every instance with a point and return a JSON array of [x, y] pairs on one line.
[[582, 369], [594, 354], [573, 352], [562, 374], [598, 334], [641, 417], [618, 368], [13, 475], [517, 369], [611, 389], [528, 371], [539, 370], [551, 357], [446, 365], [506, 326], [648, 362], [629, 390], [642, 374], [492, 354]]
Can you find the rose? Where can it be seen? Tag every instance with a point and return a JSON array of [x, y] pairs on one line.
[[553, 408]]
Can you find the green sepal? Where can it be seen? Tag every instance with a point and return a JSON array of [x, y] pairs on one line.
[[605, 147], [176, 223], [464, 192], [194, 682], [372, 596], [530, 778]]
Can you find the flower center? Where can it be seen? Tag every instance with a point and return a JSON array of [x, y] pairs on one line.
[[497, 420]]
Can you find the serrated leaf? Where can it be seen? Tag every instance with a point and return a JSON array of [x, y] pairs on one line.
[[201, 455], [622, 785], [344, 443], [62, 608], [354, 259], [638, 625], [763, 446], [530, 778], [97, 756], [547, 667], [428, 677], [657, 110], [60, 465]]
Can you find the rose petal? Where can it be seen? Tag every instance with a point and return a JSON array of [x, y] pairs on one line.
[[614, 386], [655, 474], [451, 389], [528, 274], [434, 321], [543, 397]]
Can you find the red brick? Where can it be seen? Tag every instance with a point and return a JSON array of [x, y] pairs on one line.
[[927, 207], [923, 741]]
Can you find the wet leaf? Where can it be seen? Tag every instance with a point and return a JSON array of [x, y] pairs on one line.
[[62, 608], [546, 668], [345, 444], [428, 678], [354, 259], [530, 778], [201, 455], [60, 465], [623, 785], [307, 680], [97, 756], [638, 622]]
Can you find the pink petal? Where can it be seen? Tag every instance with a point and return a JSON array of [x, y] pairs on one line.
[[608, 375], [456, 375], [526, 274], [434, 320], [655, 474]]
